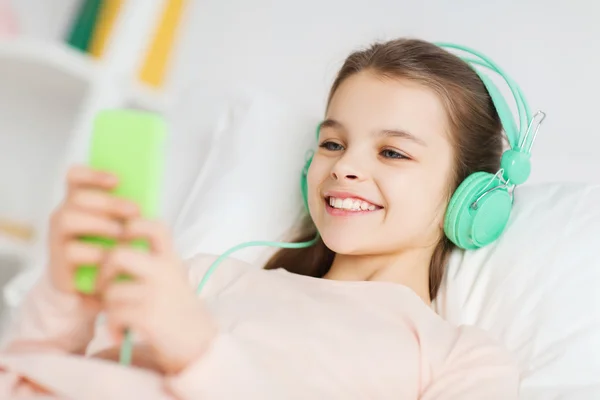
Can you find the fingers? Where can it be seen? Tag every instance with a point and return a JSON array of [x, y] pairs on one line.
[[72, 255], [89, 190], [75, 224], [122, 294], [102, 203], [120, 320], [78, 253], [121, 302], [156, 233], [81, 176], [125, 262]]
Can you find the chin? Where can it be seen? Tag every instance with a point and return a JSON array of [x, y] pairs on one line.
[[345, 243]]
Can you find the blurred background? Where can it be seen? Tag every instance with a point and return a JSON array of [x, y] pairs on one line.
[[63, 60]]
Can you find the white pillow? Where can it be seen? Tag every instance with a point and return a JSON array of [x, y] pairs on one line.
[[193, 120], [536, 290], [249, 188]]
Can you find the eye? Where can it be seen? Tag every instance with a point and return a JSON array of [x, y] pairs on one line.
[[331, 146], [388, 153]]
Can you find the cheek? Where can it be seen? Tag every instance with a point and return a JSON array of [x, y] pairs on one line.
[[417, 201], [317, 174]]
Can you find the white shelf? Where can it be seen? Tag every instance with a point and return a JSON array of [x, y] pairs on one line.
[[49, 55], [13, 247], [43, 89], [147, 98], [57, 68], [49, 91]]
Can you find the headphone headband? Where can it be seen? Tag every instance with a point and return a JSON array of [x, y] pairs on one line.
[[515, 136]]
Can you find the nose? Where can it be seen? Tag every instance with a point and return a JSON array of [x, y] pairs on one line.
[[346, 169]]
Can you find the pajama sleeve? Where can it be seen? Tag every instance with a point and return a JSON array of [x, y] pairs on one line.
[[228, 371], [230, 368], [50, 321]]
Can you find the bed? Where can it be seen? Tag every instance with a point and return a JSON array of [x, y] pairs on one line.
[[535, 289]]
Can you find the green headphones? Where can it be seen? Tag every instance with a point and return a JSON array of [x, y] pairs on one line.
[[479, 209]]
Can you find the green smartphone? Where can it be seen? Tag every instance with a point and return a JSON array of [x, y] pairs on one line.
[[129, 144]]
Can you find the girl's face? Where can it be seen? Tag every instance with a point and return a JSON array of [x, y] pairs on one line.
[[378, 183]]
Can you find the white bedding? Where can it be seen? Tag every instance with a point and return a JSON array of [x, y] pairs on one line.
[[536, 289]]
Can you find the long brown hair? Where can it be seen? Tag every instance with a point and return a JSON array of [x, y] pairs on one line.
[[475, 132]]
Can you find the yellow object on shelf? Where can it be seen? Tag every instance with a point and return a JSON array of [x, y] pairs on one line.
[[154, 67], [16, 230], [109, 11]]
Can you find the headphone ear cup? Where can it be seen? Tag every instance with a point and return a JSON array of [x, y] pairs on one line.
[[304, 182], [471, 227]]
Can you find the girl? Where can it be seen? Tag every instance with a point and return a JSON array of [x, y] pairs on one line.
[[347, 318]]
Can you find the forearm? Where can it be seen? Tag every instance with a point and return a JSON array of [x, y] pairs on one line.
[[49, 320]]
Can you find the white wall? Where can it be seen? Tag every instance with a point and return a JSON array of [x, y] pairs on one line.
[[293, 48], [551, 48]]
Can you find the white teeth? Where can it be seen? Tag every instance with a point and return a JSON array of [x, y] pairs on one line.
[[351, 204]]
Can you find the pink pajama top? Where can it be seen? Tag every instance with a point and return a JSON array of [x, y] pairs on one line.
[[282, 336]]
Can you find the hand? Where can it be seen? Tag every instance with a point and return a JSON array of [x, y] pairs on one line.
[[157, 301], [88, 209], [142, 357]]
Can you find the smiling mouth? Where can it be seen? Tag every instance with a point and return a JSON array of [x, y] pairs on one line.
[[350, 204]]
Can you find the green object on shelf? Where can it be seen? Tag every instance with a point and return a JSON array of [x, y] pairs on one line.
[[82, 29]]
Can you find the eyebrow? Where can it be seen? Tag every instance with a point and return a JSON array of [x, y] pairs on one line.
[[332, 123]]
